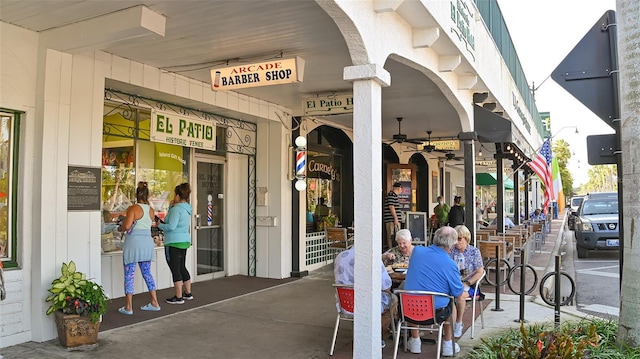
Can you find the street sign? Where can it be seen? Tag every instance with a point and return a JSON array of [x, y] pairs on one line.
[[589, 72]]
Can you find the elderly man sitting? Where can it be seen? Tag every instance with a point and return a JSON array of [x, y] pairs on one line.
[[433, 270], [343, 271]]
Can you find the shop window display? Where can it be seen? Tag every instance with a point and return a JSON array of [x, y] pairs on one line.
[[9, 128], [129, 157]]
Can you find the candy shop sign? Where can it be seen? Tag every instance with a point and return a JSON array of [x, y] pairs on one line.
[[183, 131], [275, 72]]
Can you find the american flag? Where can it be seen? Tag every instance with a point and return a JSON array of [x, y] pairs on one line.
[[541, 165]]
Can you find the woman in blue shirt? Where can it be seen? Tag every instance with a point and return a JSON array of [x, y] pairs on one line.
[[176, 241]]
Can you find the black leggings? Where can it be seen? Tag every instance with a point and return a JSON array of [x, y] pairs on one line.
[[176, 258]]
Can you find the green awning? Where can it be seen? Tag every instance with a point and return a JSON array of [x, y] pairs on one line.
[[490, 179]]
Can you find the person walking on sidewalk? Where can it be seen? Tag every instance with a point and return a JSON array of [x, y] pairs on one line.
[[177, 240]]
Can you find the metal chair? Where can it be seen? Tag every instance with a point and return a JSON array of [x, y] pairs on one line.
[[477, 299], [337, 238], [418, 307], [346, 298]]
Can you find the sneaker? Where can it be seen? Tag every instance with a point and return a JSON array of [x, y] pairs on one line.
[[457, 329], [383, 344], [174, 300], [415, 345], [187, 296], [447, 349]]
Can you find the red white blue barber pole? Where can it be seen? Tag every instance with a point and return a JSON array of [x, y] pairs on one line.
[[301, 163], [209, 210]]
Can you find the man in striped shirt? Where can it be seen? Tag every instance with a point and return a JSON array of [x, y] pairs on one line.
[[390, 213]]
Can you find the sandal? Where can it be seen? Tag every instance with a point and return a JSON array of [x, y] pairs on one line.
[[124, 311], [150, 307]]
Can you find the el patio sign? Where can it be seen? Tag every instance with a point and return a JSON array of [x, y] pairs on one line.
[[281, 71], [175, 129], [328, 105]]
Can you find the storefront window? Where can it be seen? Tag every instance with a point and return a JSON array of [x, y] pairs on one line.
[[323, 189], [9, 128], [129, 157]]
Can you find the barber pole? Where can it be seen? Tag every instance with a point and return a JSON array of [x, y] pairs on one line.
[[301, 163], [209, 210]]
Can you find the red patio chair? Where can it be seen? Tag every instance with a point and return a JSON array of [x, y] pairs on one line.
[[418, 307], [346, 297]]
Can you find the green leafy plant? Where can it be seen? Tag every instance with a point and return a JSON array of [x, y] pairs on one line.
[[73, 293], [589, 338], [331, 220]]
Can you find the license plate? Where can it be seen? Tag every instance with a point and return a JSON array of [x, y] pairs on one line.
[[613, 242]]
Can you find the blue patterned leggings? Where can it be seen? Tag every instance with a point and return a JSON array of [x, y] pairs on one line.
[[129, 274]]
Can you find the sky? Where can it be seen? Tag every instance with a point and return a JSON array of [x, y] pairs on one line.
[[543, 33]]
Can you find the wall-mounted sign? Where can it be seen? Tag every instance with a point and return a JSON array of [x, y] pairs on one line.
[[485, 163], [84, 188], [453, 145], [175, 129], [281, 71], [328, 105]]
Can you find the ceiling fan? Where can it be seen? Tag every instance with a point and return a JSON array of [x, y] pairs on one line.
[[450, 156], [401, 137]]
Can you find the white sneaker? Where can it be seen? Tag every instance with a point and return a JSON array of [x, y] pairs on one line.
[[415, 345], [447, 349], [383, 344], [457, 329]]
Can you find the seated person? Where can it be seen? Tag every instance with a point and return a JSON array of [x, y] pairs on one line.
[[398, 257], [508, 223], [433, 270], [321, 209], [470, 264], [537, 215], [343, 271]]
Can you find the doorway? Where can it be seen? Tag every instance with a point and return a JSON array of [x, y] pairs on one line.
[[209, 207]]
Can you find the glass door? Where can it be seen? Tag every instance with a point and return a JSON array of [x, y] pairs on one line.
[[209, 217]]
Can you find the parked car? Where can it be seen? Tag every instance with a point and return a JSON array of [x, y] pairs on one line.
[[596, 223], [575, 203]]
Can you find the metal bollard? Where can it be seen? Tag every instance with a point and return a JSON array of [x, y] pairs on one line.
[[522, 284], [558, 298], [497, 307]]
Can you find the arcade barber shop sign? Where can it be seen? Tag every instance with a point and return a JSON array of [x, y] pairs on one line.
[[281, 71], [181, 130]]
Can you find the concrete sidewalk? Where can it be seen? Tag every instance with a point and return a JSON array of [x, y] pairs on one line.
[[293, 320]]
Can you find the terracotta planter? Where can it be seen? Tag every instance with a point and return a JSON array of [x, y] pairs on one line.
[[75, 331]]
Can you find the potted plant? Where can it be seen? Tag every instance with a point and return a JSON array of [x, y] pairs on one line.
[[331, 220], [78, 304]]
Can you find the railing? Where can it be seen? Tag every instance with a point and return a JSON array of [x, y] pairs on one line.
[[316, 254]]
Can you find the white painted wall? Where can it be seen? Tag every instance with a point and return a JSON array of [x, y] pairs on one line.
[[18, 92]]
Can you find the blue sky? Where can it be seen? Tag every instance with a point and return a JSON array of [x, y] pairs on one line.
[[544, 32]]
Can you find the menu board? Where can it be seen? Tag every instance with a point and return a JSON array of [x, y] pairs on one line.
[[406, 176], [83, 188], [417, 225]]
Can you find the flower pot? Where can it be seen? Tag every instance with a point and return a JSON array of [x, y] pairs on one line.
[[75, 331]]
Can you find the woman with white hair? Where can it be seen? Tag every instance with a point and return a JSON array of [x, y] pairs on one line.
[[469, 261], [399, 255]]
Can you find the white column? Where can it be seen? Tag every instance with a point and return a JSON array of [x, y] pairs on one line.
[[368, 81], [627, 17]]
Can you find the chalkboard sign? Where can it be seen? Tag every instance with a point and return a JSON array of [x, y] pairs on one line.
[[417, 224]]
